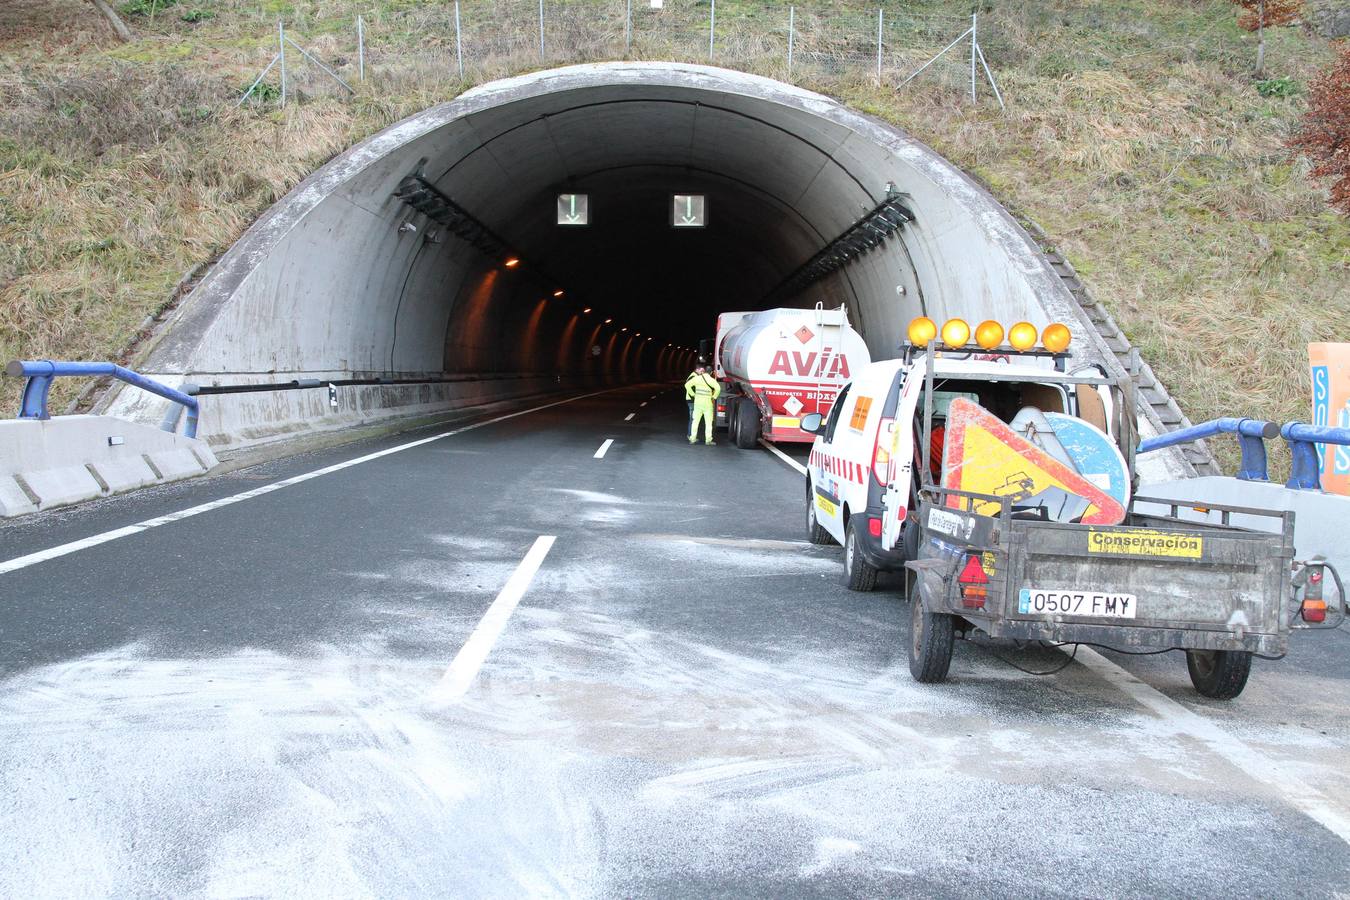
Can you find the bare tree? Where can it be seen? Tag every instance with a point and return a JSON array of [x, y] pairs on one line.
[[1258, 15], [123, 32]]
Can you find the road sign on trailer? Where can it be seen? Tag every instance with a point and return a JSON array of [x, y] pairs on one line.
[[574, 209], [689, 211]]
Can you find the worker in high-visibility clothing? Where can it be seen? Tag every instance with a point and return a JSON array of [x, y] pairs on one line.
[[704, 390]]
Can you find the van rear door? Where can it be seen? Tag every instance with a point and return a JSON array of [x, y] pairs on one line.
[[895, 498]]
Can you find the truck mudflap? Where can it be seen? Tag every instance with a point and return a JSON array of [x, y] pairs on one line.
[[1150, 583]]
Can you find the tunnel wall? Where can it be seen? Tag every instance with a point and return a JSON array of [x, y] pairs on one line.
[[326, 286]]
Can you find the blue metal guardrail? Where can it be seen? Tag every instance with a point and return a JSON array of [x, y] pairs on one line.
[[1252, 435], [41, 373]]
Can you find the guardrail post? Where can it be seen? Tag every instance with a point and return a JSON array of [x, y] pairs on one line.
[[33, 404], [1252, 434], [1305, 471]]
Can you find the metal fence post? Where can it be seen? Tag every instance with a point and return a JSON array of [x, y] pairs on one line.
[[880, 15], [541, 29], [281, 41], [792, 24], [361, 46], [974, 50], [712, 27], [628, 29], [459, 46]]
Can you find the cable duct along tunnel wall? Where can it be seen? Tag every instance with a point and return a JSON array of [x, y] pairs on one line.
[[389, 262]]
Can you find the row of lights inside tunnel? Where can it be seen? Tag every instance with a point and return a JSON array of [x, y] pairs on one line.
[[514, 262]]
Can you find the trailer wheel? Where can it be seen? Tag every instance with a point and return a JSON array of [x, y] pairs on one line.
[[858, 575], [747, 425], [1219, 674], [814, 532], [931, 636]]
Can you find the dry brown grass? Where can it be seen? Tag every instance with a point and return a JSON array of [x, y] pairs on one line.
[[1133, 136]]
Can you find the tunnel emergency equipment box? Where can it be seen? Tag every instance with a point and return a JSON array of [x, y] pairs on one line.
[[779, 365]]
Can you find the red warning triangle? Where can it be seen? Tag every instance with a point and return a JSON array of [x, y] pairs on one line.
[[983, 455]]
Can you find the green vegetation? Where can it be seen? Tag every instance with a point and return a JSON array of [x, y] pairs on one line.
[[1134, 135]]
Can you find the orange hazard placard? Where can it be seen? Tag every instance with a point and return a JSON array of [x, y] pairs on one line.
[[983, 455], [1331, 406]]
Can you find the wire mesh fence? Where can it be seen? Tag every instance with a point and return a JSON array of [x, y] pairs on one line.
[[476, 40]]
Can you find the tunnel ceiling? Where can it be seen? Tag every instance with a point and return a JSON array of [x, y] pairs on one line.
[[775, 193], [343, 279]]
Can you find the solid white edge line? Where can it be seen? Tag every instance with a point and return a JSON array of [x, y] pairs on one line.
[[21, 562], [1286, 784], [801, 469], [629, 417], [600, 454], [464, 669]]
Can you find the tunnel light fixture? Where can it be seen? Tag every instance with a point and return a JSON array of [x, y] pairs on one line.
[[624, 328], [557, 293], [586, 311], [609, 321], [512, 262], [862, 236], [420, 194]]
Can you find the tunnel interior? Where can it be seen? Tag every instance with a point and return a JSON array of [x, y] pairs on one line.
[[345, 278]]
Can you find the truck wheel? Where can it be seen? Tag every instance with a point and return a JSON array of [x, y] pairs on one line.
[[1219, 674], [931, 636], [747, 425], [814, 533], [732, 421], [858, 575]]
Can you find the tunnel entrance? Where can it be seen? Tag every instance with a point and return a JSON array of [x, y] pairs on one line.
[[434, 257]]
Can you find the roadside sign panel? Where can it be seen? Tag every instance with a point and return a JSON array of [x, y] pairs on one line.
[[574, 209], [981, 454], [689, 211], [1331, 406]]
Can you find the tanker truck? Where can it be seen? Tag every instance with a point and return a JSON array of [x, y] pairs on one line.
[[778, 365]]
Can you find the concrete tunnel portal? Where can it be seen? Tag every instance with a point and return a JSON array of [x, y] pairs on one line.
[[390, 262]]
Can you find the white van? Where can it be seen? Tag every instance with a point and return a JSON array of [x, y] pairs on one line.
[[871, 446]]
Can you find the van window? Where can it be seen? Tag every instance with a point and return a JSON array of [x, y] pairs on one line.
[[839, 403]]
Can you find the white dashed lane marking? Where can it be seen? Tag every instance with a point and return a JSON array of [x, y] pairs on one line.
[[469, 660], [629, 417], [600, 454]]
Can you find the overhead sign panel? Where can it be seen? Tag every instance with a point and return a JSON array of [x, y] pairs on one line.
[[689, 211], [574, 209]]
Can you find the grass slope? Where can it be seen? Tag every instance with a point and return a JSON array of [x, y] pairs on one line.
[[1134, 135]]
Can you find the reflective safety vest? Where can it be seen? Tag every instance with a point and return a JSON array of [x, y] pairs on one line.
[[702, 386]]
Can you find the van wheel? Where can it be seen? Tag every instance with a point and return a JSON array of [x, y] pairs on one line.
[[814, 532], [931, 636], [858, 575], [747, 425], [1219, 674]]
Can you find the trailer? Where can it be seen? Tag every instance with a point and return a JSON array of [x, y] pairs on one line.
[[778, 365]]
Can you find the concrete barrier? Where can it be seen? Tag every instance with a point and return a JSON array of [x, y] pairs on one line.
[[46, 463]]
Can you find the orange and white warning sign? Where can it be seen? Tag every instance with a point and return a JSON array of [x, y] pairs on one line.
[[1331, 406], [983, 455]]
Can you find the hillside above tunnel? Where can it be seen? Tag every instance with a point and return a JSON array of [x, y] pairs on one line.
[[1133, 135]]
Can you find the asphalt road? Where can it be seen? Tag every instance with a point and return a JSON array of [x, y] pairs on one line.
[[324, 689]]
